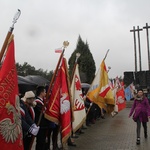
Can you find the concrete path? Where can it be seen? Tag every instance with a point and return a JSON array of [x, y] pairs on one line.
[[118, 133]]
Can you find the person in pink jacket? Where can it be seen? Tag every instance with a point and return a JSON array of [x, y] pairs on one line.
[[141, 112]]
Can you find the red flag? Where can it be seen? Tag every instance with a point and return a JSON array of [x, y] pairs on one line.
[[59, 50], [120, 99], [53, 108], [58, 109], [10, 123], [65, 109]]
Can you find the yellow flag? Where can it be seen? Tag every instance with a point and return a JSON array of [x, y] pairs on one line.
[[100, 91]]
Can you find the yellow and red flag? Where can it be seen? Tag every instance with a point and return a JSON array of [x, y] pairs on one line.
[[59, 106], [10, 122], [100, 91], [78, 102]]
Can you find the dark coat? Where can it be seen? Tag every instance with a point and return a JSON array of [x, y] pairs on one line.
[[37, 109], [27, 121]]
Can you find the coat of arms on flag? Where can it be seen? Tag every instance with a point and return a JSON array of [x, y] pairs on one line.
[[10, 122]]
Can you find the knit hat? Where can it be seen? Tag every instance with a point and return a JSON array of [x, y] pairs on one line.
[[28, 94]]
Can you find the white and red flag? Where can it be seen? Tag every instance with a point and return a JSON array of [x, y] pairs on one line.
[[78, 102], [58, 50], [120, 99]]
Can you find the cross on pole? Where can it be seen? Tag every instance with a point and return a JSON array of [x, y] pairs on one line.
[[140, 63], [147, 27], [135, 54]]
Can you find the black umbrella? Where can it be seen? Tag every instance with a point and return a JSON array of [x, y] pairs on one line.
[[24, 81], [25, 85], [39, 80]]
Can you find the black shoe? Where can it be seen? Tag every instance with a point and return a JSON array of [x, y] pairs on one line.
[[145, 135], [102, 117], [138, 141], [74, 136], [88, 125], [84, 128], [81, 132], [71, 144]]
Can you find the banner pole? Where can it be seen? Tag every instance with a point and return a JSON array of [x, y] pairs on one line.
[[65, 43], [9, 34]]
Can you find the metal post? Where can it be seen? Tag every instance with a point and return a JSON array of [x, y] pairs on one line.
[[135, 54], [147, 27], [140, 63]]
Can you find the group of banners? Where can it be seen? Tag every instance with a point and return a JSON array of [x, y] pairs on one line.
[[65, 105]]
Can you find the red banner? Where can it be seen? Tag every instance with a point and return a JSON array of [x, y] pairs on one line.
[[53, 108], [10, 123], [58, 109], [65, 109], [120, 99]]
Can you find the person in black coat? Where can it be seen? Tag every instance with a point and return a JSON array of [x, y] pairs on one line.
[[28, 125], [41, 139]]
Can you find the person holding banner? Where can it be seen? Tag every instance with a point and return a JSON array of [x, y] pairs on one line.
[[141, 110], [44, 123]]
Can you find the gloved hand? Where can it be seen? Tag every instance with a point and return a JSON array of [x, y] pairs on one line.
[[34, 130], [34, 125]]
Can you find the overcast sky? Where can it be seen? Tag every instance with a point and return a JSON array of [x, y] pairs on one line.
[[104, 24]]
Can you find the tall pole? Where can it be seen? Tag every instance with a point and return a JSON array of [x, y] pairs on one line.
[[9, 34], [135, 54], [147, 27], [140, 63]]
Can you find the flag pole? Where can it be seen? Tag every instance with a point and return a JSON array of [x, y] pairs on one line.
[[76, 62], [69, 85], [9, 34], [69, 92], [106, 54], [65, 44]]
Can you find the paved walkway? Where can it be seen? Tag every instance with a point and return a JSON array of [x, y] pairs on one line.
[[118, 133]]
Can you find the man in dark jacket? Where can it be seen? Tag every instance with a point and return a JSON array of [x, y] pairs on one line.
[[44, 123]]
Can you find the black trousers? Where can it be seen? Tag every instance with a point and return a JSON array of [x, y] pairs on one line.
[[138, 129], [54, 132], [27, 142], [41, 139]]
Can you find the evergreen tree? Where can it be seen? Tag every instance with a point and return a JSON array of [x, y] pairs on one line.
[[27, 69], [86, 62]]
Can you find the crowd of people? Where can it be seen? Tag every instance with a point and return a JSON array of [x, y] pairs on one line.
[[34, 124]]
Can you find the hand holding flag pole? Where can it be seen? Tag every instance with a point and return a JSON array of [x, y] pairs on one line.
[[9, 34]]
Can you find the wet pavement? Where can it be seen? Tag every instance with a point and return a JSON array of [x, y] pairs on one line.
[[118, 133]]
